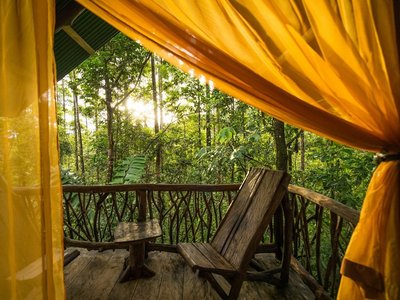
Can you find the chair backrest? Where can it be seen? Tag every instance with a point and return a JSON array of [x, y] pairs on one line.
[[248, 216]]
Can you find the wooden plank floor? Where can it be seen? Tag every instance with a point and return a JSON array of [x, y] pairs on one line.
[[93, 275]]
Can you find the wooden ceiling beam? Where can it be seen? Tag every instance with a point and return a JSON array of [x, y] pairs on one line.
[[78, 39], [64, 22], [68, 15]]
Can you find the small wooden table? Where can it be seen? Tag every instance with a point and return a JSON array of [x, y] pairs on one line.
[[136, 235]]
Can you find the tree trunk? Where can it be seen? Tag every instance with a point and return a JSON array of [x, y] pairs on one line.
[[199, 122], [76, 135], [233, 116], [302, 157], [78, 122], [160, 113], [63, 104], [208, 117], [77, 131], [96, 124], [218, 121], [110, 150], [64, 119], [156, 118], [280, 145], [117, 135]]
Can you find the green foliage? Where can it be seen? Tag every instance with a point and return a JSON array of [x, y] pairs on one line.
[[129, 170], [68, 177], [337, 171], [225, 135], [213, 138]]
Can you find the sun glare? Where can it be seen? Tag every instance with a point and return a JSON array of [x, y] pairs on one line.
[[144, 112]]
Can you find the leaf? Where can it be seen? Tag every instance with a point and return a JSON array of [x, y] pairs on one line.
[[225, 135], [130, 170], [201, 153], [238, 153], [254, 137]]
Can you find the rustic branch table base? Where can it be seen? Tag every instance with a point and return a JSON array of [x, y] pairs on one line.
[[136, 235]]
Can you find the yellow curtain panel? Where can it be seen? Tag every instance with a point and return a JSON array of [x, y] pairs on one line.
[[31, 235], [330, 67]]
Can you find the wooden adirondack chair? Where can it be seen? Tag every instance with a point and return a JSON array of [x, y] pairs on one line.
[[240, 231]]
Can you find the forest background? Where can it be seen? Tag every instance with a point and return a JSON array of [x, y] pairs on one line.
[[127, 116]]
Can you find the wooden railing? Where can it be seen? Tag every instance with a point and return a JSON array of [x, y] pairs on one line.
[[322, 230], [187, 213]]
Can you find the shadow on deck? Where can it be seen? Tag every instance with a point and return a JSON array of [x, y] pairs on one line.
[[93, 275]]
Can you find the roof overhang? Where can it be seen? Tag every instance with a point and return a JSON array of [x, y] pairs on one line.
[[78, 34]]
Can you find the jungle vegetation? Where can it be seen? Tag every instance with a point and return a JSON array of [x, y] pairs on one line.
[[126, 116]]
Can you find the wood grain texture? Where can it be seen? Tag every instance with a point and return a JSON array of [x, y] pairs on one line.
[[188, 212], [174, 280], [74, 269], [227, 226], [70, 256], [204, 257], [149, 288], [249, 214], [196, 287], [149, 186], [240, 232], [128, 232], [171, 285], [338, 208], [95, 280], [256, 219]]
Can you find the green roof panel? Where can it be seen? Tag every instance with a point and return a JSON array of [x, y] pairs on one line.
[[94, 30], [68, 53]]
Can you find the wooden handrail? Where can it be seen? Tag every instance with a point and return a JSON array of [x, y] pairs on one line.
[[150, 187], [338, 208], [347, 213]]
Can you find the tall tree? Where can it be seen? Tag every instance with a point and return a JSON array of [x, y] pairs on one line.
[[79, 159], [160, 112], [114, 72], [208, 116], [78, 135], [280, 145], [156, 118]]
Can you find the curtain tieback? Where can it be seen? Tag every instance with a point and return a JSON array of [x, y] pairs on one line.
[[380, 157]]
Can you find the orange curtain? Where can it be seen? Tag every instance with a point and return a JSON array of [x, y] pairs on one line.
[[31, 233], [330, 67]]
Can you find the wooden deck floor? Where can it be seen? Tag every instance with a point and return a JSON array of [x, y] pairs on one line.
[[93, 275]]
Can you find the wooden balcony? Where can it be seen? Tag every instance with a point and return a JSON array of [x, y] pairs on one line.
[[93, 275], [188, 213]]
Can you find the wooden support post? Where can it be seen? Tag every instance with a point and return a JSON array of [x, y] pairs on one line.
[[278, 232], [135, 235], [142, 217], [141, 194], [287, 247]]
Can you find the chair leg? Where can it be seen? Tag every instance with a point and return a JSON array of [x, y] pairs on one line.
[[236, 285], [214, 283]]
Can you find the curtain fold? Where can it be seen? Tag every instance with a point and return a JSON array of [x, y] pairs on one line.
[[31, 232], [330, 67]]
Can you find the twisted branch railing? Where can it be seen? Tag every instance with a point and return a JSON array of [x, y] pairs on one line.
[[322, 230], [189, 213], [186, 212]]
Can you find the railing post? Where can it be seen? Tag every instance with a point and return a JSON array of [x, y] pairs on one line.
[[142, 201], [288, 238]]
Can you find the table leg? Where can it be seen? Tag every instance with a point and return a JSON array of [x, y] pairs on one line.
[[136, 267]]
